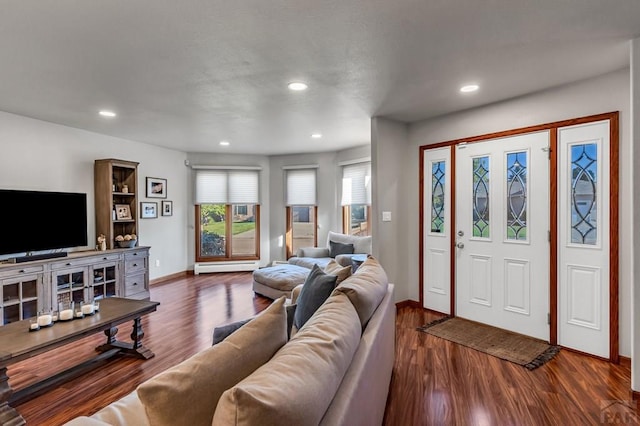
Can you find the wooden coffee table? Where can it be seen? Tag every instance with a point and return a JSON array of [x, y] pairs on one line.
[[17, 344]]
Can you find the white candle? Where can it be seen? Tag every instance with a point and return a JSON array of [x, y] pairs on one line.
[[87, 309], [66, 315], [44, 320], [34, 326], [54, 317], [79, 314]]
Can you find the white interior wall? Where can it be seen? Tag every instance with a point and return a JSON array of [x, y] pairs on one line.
[[326, 190], [39, 155], [603, 94], [390, 159], [207, 159]]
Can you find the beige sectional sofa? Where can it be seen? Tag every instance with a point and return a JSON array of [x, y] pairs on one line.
[[335, 370], [308, 256]]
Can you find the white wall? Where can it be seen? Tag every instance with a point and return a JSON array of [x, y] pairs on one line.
[[391, 173], [38, 155], [326, 190], [396, 170], [203, 159]]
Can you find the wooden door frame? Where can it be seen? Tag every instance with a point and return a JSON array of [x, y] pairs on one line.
[[552, 128]]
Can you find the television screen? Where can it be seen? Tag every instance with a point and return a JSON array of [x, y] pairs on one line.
[[40, 220]]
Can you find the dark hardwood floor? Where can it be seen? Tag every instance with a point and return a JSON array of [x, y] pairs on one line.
[[435, 382]]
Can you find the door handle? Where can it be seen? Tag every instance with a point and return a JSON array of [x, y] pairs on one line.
[[460, 245]]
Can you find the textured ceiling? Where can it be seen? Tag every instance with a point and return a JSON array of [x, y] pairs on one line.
[[188, 74]]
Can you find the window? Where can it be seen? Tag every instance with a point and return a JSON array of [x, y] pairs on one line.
[[301, 211], [356, 199], [227, 214]]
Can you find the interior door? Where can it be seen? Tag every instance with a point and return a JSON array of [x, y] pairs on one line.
[[437, 230], [502, 233]]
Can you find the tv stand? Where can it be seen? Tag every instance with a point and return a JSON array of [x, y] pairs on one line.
[[42, 256]]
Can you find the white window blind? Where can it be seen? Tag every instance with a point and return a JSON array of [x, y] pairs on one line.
[[227, 187], [356, 184], [301, 187]]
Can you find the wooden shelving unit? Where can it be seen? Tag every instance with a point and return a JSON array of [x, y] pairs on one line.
[[111, 176]]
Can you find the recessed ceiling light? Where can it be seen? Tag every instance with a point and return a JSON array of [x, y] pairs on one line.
[[106, 113], [469, 88], [224, 143], [297, 86], [316, 135]]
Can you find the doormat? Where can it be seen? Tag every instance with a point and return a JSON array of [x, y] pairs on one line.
[[527, 351]]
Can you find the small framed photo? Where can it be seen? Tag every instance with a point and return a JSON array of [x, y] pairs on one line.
[[148, 210], [167, 208], [156, 187], [123, 212]]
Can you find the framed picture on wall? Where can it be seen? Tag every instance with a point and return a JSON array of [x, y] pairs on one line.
[[167, 208], [156, 187], [148, 210]]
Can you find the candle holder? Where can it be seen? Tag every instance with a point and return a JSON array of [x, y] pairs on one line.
[[96, 305], [45, 319], [65, 311], [33, 324], [55, 316], [88, 308], [77, 311]]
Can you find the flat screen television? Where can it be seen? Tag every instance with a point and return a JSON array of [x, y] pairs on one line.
[[39, 220]]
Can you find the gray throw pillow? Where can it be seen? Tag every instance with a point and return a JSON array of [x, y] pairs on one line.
[[222, 332], [336, 249], [316, 289]]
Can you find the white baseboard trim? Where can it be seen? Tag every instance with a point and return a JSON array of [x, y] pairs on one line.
[[231, 266]]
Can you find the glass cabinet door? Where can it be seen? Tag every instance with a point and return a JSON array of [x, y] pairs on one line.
[[103, 280], [20, 298], [70, 285]]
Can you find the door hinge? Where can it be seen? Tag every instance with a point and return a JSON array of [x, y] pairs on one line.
[[547, 149], [549, 236], [548, 318]]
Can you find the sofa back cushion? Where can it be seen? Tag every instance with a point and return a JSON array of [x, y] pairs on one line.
[[315, 290], [297, 385], [187, 393], [365, 288], [334, 268], [361, 245]]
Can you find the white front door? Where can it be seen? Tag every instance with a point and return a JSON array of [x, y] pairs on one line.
[[583, 237], [437, 230], [502, 233]]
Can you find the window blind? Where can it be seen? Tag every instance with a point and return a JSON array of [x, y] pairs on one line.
[[301, 187], [356, 184], [227, 187]]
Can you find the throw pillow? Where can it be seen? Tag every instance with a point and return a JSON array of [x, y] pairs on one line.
[[336, 248], [297, 385], [334, 268], [366, 288], [315, 290], [187, 394], [222, 332]]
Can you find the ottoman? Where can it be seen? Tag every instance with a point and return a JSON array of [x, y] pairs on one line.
[[278, 280]]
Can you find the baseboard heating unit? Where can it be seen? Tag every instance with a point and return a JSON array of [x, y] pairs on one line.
[[238, 266]]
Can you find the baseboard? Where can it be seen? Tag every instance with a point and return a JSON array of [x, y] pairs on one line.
[[166, 278], [408, 304]]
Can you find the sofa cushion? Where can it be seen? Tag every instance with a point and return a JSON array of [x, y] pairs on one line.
[[297, 385], [361, 245], [187, 393], [315, 291], [334, 268], [336, 249], [365, 288], [312, 252]]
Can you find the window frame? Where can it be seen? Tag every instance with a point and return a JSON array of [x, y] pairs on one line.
[[289, 229], [228, 236]]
